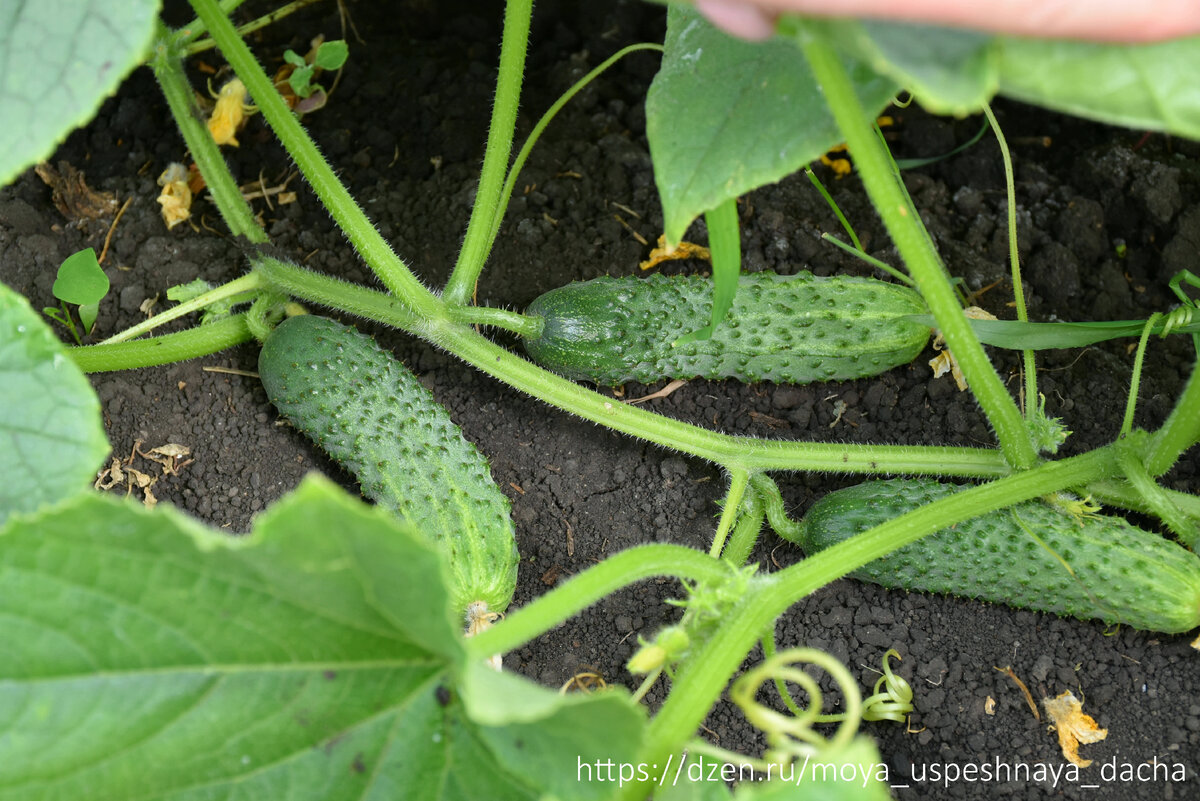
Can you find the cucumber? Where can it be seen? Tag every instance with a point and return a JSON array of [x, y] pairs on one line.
[[1034, 555], [787, 329], [370, 413]]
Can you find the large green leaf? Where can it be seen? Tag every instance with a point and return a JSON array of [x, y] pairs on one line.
[[50, 427], [147, 657], [1149, 86], [61, 59], [724, 116], [948, 71]]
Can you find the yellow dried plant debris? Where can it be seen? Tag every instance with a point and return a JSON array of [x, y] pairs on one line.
[[685, 250], [176, 197], [1073, 726], [944, 362], [229, 114]]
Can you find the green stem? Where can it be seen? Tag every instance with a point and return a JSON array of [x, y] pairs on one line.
[[1136, 378], [745, 533], [772, 501], [195, 29], [222, 188], [367, 241], [461, 286], [731, 511], [246, 283], [517, 323], [1027, 358], [873, 164], [199, 341], [731, 451], [702, 676], [515, 171], [1180, 432], [1124, 496], [1153, 496], [584, 589]]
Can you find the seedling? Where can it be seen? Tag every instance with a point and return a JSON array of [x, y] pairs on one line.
[[81, 281], [307, 68]]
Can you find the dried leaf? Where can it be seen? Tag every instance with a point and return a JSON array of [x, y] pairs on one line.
[[71, 194], [1073, 726], [989, 706]]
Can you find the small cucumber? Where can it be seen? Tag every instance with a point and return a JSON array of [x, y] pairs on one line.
[[1034, 555], [787, 329], [370, 413]]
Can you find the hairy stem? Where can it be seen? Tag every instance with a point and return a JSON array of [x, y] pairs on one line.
[[701, 678], [731, 451], [584, 589], [166, 349], [873, 164], [488, 197], [367, 241], [168, 70], [246, 283]]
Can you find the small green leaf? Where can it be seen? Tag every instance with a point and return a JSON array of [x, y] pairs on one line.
[[332, 55], [61, 59], [1148, 86], [294, 58], [772, 117], [147, 656], [88, 312], [301, 81], [81, 279], [50, 424]]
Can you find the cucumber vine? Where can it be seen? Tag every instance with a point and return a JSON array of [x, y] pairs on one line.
[[729, 608]]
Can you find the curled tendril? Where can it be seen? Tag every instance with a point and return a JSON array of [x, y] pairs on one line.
[[1177, 318], [790, 737], [895, 702]]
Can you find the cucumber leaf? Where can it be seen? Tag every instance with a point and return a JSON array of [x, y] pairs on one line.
[[147, 656], [1144, 86], [61, 59], [724, 116], [948, 71], [51, 425]]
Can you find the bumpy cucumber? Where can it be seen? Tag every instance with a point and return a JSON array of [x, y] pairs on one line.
[[370, 413], [1034, 555], [787, 329]]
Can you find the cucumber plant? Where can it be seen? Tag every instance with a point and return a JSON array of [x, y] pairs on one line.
[[342, 618]]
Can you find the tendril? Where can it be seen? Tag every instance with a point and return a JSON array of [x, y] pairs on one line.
[[895, 702]]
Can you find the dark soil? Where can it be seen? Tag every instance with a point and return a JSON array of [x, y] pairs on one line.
[[406, 128]]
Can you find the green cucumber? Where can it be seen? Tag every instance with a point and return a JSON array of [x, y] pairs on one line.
[[370, 413], [787, 329], [1035, 555]]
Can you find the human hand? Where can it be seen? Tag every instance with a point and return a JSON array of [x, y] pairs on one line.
[[1094, 20]]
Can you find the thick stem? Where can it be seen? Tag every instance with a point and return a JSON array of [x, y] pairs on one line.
[[199, 341], [168, 70], [1180, 432], [731, 451], [584, 589], [873, 165], [371, 246], [701, 678], [745, 533], [461, 286]]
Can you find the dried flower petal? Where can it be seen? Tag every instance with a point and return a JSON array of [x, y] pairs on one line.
[[1074, 727]]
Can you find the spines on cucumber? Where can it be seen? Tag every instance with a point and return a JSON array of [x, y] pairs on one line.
[[1034, 555], [370, 413], [787, 329]]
